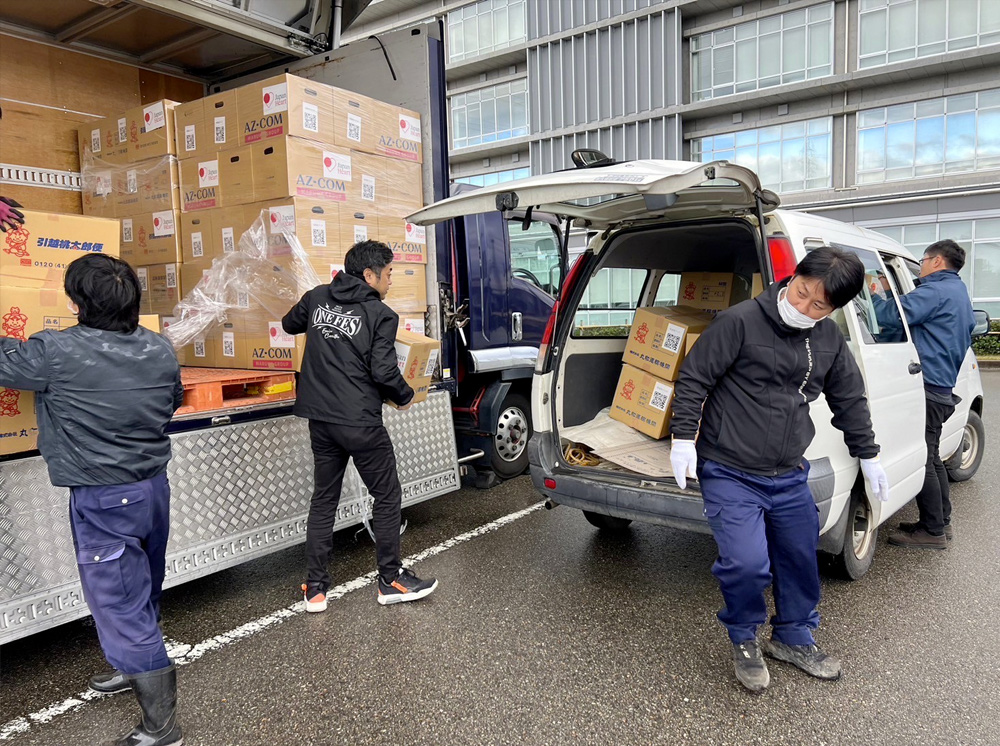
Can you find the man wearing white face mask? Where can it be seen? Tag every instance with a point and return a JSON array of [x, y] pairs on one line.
[[741, 425]]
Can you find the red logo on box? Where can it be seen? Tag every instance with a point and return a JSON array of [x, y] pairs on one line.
[[641, 332], [17, 242], [8, 402], [14, 323], [627, 390]]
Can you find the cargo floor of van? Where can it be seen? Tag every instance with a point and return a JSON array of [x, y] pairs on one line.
[[638, 270]]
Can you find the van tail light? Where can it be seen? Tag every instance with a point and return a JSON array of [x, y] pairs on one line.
[[782, 257], [542, 364], [550, 484]]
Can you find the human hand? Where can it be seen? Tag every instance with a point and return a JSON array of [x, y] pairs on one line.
[[405, 407], [10, 217], [876, 477], [683, 461]]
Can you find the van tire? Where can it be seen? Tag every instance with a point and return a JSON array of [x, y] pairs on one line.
[[606, 522], [512, 430], [965, 463], [858, 551]]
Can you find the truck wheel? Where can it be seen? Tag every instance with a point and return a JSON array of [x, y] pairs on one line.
[[606, 522], [510, 441], [965, 463], [859, 540]]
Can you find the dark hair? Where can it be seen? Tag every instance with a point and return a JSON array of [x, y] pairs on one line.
[[373, 255], [841, 272], [107, 292], [954, 255]]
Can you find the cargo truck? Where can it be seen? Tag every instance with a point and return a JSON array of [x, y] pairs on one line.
[[242, 477]]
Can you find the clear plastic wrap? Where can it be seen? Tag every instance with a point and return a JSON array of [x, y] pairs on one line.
[[266, 276]]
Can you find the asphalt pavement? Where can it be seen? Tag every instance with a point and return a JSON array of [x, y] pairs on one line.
[[546, 631]]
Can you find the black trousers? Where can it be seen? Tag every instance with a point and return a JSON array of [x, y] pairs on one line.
[[375, 460], [933, 500]]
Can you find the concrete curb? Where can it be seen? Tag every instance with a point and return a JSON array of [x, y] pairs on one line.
[[989, 364]]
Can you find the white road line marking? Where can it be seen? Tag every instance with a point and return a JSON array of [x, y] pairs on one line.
[[184, 654]]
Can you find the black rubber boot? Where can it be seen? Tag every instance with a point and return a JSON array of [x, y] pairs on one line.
[[110, 682], [157, 695]]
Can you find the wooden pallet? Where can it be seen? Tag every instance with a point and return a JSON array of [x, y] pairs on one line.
[[209, 389]]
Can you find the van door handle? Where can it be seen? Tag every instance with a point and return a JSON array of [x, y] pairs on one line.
[[517, 327], [914, 368]]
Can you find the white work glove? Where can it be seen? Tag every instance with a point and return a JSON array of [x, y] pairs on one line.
[[683, 461], [876, 477]]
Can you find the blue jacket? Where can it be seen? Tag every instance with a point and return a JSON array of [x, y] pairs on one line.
[[939, 313], [103, 401]]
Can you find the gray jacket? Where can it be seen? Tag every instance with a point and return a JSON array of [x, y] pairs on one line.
[[103, 401]]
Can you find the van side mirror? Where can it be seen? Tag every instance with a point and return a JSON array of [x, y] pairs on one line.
[[982, 324]]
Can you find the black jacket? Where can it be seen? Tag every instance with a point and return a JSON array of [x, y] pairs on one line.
[[104, 400], [349, 366], [756, 377]]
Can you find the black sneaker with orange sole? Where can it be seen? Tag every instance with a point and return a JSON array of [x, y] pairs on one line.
[[405, 587]]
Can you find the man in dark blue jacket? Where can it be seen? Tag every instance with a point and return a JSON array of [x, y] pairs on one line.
[[939, 314], [106, 390]]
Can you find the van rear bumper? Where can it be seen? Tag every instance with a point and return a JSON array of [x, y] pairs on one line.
[[604, 493]]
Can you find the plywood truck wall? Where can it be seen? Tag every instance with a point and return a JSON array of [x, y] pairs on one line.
[[47, 93]]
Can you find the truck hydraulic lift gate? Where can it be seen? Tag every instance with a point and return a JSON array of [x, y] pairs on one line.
[[238, 492]]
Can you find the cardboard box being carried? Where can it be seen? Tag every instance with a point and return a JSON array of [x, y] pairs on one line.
[[660, 338], [709, 291], [32, 297], [643, 401], [47, 242], [417, 357]]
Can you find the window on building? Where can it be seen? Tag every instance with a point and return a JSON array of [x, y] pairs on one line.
[[487, 26], [785, 48], [498, 177], [981, 241], [788, 158], [929, 138], [897, 30], [487, 115]]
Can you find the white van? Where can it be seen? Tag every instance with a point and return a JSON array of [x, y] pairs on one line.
[[653, 220]]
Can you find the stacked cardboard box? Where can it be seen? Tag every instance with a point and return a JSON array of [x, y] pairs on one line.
[[130, 173], [33, 259], [328, 166], [658, 342]]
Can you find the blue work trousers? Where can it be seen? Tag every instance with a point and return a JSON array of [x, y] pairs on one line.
[[120, 536], [767, 531]]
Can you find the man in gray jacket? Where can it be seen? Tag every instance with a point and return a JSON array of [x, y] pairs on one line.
[[106, 390]]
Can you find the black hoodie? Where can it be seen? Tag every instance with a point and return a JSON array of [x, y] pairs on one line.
[[756, 377], [349, 367]]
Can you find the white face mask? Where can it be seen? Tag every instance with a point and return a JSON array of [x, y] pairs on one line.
[[791, 315]]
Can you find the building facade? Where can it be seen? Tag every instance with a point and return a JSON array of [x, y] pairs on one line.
[[883, 113]]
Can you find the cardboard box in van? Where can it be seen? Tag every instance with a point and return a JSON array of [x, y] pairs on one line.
[[709, 291], [285, 105], [417, 357], [660, 338], [756, 285], [643, 402], [151, 130], [151, 238]]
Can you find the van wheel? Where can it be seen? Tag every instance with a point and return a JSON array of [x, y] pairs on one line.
[[509, 457], [965, 463], [859, 541], [606, 522]]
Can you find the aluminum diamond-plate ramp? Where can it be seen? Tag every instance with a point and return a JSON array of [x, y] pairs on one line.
[[237, 493]]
